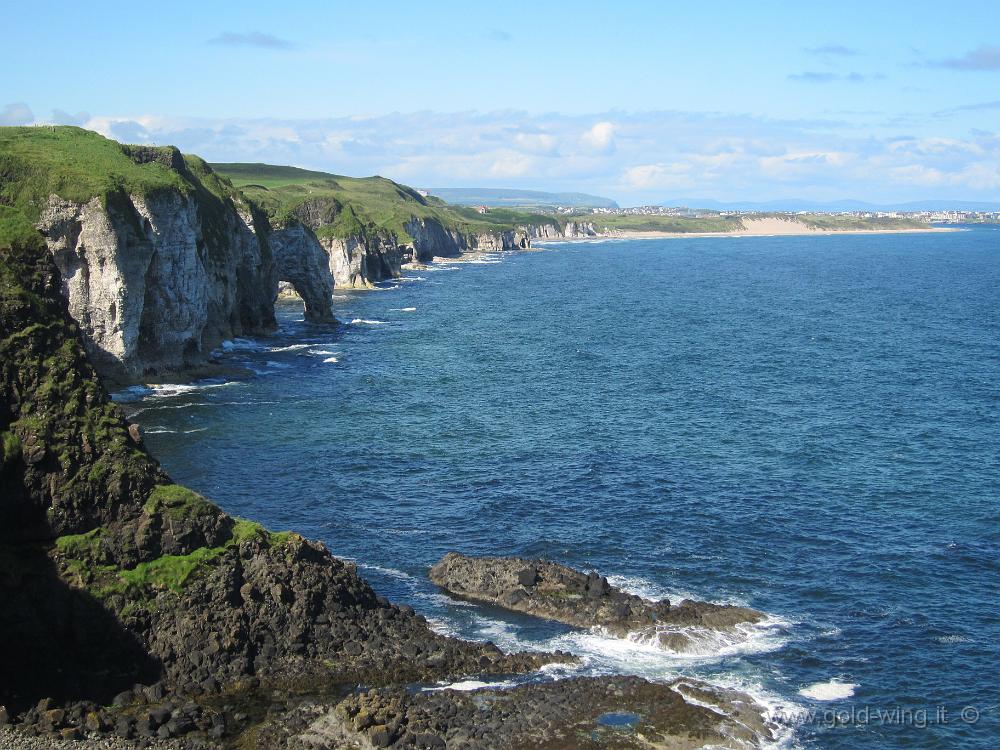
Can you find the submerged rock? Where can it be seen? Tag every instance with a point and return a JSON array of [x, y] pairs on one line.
[[585, 600]]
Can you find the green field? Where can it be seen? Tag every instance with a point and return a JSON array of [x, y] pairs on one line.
[[355, 206]]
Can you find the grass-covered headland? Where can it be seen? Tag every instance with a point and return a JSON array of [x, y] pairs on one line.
[[351, 206]]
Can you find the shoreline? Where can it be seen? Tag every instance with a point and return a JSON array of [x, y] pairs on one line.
[[791, 232]]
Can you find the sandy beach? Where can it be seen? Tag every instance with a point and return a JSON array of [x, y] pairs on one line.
[[764, 227]]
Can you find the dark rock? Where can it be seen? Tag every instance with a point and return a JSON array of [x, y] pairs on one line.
[[580, 599], [125, 727], [70, 733], [528, 576]]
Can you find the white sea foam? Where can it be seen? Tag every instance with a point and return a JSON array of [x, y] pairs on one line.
[[363, 321], [952, 639], [694, 642], [242, 345], [165, 390], [289, 348], [465, 685], [412, 278], [834, 690], [165, 431], [404, 309], [330, 360], [391, 572], [323, 353]]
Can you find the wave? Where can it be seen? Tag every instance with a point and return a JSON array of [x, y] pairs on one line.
[[245, 345], [695, 642], [404, 309], [165, 390], [363, 321], [412, 278], [323, 353], [330, 360], [289, 348]]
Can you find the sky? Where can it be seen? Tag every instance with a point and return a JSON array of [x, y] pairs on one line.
[[638, 101]]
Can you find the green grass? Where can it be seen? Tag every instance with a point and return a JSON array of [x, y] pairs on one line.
[[178, 502], [75, 164], [832, 221], [169, 572], [653, 223], [360, 206], [80, 546]]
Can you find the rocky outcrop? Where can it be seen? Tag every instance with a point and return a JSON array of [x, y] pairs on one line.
[[360, 261], [556, 592], [301, 261], [590, 712], [431, 239], [362, 255], [156, 282], [579, 230], [541, 232]]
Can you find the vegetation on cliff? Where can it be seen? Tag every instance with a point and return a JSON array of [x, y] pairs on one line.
[[338, 206], [79, 165]]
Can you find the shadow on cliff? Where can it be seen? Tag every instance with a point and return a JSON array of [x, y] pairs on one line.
[[60, 642]]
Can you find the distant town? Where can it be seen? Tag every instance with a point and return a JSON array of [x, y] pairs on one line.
[[942, 217]]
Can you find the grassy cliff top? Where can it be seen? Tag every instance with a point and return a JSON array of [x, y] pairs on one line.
[[353, 205], [78, 165]]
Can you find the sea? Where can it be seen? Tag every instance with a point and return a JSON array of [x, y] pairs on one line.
[[806, 425]]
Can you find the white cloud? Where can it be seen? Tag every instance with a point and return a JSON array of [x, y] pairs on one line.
[[536, 143], [600, 137], [633, 157], [650, 176]]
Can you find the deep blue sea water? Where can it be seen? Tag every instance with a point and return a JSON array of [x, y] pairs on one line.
[[807, 425]]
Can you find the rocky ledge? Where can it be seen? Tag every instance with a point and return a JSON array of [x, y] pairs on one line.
[[584, 600], [585, 712]]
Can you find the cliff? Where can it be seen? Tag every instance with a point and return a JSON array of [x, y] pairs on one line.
[[161, 259], [371, 226], [136, 607]]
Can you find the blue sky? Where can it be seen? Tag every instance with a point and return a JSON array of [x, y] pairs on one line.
[[640, 101]]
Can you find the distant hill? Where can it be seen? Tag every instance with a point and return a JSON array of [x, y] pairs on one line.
[[793, 204], [515, 197]]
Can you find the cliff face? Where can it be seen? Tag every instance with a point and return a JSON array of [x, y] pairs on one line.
[[154, 288], [361, 260], [431, 239], [578, 229]]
